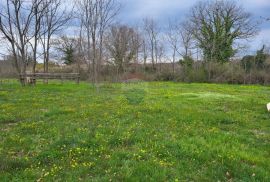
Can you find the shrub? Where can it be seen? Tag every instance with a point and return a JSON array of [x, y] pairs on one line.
[[165, 76]]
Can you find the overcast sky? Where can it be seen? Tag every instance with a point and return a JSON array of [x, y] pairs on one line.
[[162, 10]]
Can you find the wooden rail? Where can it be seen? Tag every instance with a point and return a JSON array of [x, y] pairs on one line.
[[31, 78]]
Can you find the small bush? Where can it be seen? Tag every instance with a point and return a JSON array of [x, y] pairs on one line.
[[165, 76]]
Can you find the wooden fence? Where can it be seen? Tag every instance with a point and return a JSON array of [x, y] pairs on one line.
[[31, 78]]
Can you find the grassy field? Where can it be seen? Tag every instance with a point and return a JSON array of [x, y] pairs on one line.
[[134, 132]]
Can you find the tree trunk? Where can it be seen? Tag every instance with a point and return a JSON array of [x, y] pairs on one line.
[[173, 65]]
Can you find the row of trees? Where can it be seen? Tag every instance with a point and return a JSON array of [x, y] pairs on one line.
[[28, 25], [212, 32]]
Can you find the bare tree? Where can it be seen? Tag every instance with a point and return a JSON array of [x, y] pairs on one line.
[[145, 52], [108, 11], [186, 39], [96, 16], [40, 9], [16, 20], [152, 33], [55, 18], [122, 44], [160, 55], [173, 38], [83, 44]]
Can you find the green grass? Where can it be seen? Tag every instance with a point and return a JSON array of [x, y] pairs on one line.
[[134, 132]]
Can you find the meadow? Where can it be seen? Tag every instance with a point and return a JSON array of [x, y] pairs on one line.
[[158, 131]]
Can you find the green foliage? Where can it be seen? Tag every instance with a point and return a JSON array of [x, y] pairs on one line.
[[254, 62], [165, 76], [187, 68], [68, 55], [134, 132], [247, 62], [187, 62], [219, 45], [216, 25], [260, 58]]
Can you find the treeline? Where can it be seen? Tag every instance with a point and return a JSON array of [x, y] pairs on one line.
[[248, 70], [202, 48]]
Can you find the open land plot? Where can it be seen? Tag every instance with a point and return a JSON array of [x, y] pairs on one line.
[[134, 132]]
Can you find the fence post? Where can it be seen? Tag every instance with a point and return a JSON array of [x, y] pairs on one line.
[[62, 81], [78, 79], [34, 79]]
